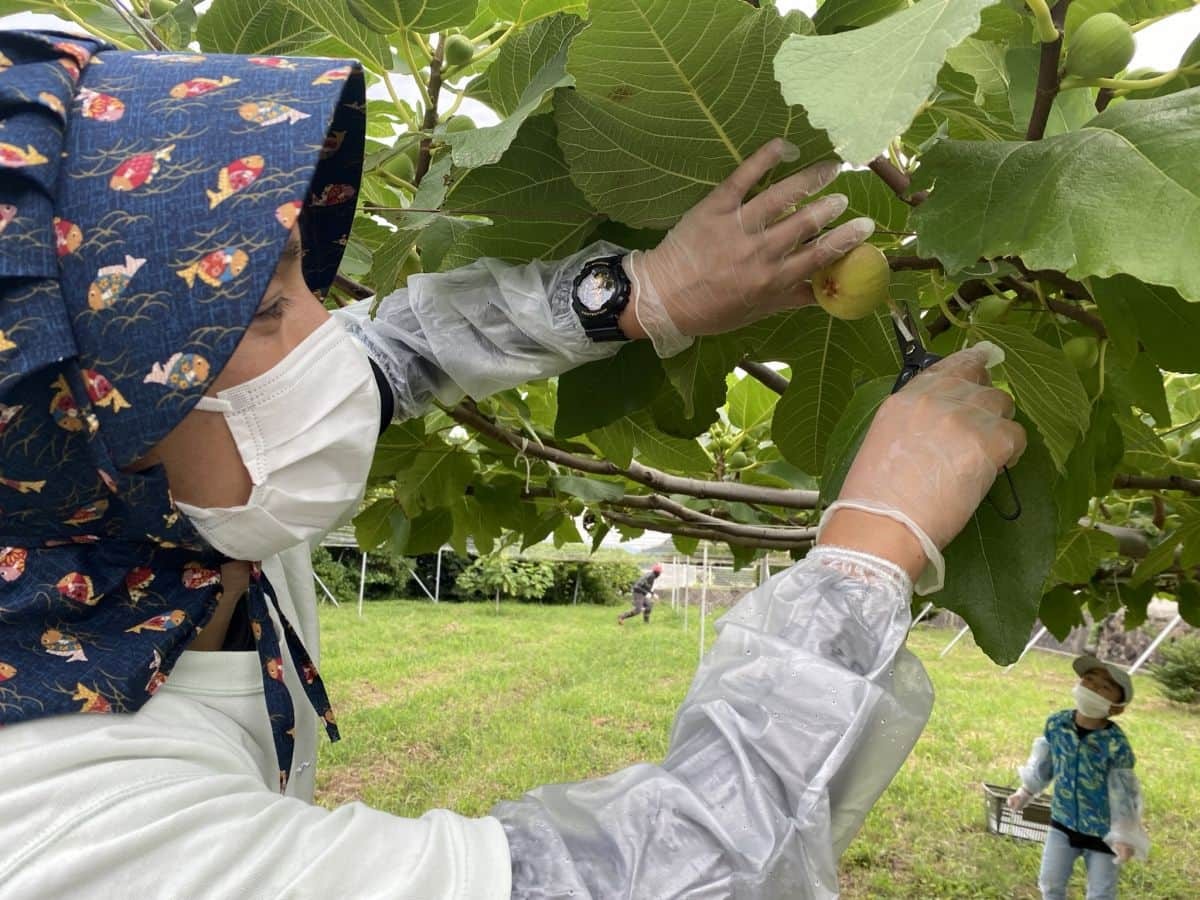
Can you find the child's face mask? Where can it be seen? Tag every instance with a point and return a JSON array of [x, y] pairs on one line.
[[1091, 704], [305, 430]]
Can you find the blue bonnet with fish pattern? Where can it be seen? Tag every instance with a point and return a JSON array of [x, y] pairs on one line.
[[145, 200]]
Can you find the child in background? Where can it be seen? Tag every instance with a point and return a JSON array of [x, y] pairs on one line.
[[1096, 811]]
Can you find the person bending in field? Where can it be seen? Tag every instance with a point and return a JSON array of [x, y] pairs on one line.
[[643, 591], [1096, 812]]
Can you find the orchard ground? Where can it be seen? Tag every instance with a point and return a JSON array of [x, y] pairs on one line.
[[457, 706]]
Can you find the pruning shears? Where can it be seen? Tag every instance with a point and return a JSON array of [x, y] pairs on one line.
[[914, 358]]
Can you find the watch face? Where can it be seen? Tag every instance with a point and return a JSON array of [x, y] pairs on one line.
[[596, 289]]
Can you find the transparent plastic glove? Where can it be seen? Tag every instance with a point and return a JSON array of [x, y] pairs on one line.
[[1019, 799], [730, 261], [1126, 835], [933, 451]]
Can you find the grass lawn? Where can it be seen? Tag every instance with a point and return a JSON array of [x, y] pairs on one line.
[[455, 706]]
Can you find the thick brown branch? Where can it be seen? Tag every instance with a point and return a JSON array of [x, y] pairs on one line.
[[1048, 78], [431, 113], [968, 292], [897, 180], [1080, 315], [899, 263], [1157, 483], [352, 287], [764, 374], [706, 534], [652, 478], [679, 511]]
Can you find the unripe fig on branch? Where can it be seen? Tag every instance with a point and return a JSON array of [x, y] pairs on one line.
[[991, 309], [459, 50], [855, 285], [1100, 47], [1082, 352]]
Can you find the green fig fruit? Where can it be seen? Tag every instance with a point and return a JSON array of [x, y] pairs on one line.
[[737, 460], [855, 285], [1100, 47], [401, 165], [1082, 352], [458, 51], [159, 8], [991, 309], [459, 123]]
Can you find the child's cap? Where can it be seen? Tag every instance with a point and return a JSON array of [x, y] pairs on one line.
[[1084, 664]]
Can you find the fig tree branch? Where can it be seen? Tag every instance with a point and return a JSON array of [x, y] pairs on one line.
[[1157, 483], [897, 180], [675, 527], [353, 288], [695, 517], [431, 109], [764, 375], [1062, 307], [1048, 78], [912, 263], [653, 478]]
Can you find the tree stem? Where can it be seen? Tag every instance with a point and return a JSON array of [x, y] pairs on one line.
[[764, 374], [897, 180], [1048, 79], [1157, 483], [431, 112], [652, 478], [707, 534]]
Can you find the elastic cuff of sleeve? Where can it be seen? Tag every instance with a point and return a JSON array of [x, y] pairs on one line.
[[858, 563], [933, 577], [653, 317]]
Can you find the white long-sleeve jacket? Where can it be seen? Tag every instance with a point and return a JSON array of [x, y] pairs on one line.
[[796, 721]]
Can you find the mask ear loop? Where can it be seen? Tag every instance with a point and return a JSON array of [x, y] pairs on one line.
[[213, 404]]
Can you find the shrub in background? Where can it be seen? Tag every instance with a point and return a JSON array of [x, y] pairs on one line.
[[1179, 672]]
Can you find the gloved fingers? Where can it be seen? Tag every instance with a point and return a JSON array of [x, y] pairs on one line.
[[969, 365], [772, 203], [727, 196], [791, 296], [826, 250], [803, 225], [1002, 440], [970, 393]]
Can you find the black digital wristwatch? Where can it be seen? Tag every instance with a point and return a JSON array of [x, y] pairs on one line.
[[599, 295]]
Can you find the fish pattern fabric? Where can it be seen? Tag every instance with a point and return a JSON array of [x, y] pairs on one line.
[[146, 200]]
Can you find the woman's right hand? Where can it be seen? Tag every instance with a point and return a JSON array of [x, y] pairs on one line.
[[931, 455]]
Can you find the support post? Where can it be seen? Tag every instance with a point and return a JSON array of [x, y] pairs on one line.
[[437, 578], [687, 590], [417, 578], [1033, 640], [328, 593], [362, 584], [954, 641], [578, 575], [1158, 639], [922, 614], [703, 600]]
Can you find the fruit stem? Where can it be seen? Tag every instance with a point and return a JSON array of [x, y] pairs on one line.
[[494, 45], [406, 52], [1128, 84], [1100, 388], [401, 107], [954, 320], [1047, 31], [397, 181]]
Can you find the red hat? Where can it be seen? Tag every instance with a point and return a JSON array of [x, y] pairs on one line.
[[657, 569]]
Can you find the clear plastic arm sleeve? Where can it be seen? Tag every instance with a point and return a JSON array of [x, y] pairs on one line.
[[1038, 771], [477, 330], [1125, 813], [798, 717]]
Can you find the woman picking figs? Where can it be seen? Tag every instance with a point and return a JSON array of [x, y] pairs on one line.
[[185, 417]]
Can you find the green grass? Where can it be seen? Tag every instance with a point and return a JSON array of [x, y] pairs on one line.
[[455, 706]]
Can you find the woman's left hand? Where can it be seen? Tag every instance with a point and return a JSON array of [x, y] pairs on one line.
[[730, 261]]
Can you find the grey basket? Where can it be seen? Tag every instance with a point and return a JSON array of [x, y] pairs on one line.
[[1030, 824]]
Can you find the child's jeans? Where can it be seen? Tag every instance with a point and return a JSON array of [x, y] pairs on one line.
[[1058, 859]]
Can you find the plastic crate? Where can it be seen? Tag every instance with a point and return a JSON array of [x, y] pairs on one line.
[[1030, 824]]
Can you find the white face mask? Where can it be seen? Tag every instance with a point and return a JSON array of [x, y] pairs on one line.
[[1091, 704], [306, 431]]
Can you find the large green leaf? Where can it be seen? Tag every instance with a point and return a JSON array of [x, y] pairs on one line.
[[438, 477], [614, 441], [1046, 387], [1090, 467], [864, 87], [1131, 11], [1144, 450], [417, 15], [670, 96], [995, 569], [1002, 199], [524, 56], [664, 452], [601, 392], [843, 15], [869, 196], [848, 434], [1070, 110], [1079, 553], [535, 210], [484, 146], [750, 403], [1183, 542], [591, 489], [698, 373], [828, 356], [334, 19], [954, 111], [266, 27], [1165, 323], [526, 12], [1061, 610]]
